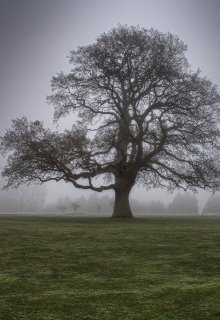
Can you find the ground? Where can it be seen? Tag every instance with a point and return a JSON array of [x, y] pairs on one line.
[[57, 268]]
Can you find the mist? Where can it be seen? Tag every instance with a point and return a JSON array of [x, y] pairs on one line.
[[34, 199]]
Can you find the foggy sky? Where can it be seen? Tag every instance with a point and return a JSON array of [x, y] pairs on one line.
[[37, 35]]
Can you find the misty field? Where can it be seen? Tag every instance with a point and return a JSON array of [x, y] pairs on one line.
[[54, 268]]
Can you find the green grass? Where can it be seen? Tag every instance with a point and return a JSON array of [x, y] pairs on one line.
[[71, 268]]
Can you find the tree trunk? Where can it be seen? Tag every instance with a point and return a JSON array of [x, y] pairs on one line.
[[122, 206]]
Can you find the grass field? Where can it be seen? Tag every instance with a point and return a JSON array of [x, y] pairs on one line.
[[82, 268]]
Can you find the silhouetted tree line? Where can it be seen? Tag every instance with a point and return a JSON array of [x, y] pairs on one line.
[[182, 203], [25, 199], [91, 204], [32, 199]]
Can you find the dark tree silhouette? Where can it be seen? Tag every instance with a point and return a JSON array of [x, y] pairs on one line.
[[140, 114]]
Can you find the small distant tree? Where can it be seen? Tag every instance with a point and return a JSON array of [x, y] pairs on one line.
[[213, 205], [142, 115], [62, 208], [75, 206], [98, 208]]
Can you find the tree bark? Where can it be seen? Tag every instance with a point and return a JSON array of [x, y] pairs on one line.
[[122, 207]]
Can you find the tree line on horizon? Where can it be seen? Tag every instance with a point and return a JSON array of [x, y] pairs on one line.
[[33, 199], [182, 203], [24, 199]]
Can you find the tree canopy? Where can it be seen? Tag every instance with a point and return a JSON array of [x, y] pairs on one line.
[[140, 114]]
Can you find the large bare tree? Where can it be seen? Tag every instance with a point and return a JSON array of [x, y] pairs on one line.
[[140, 114]]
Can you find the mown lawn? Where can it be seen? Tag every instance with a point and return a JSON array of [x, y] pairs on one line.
[[83, 268]]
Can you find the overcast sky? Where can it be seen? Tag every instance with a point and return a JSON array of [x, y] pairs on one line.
[[37, 35]]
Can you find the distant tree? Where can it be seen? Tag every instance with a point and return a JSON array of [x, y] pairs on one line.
[[32, 198], [155, 206], [185, 203], [213, 205], [98, 208], [25, 199], [138, 206], [75, 206], [142, 116], [62, 208]]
